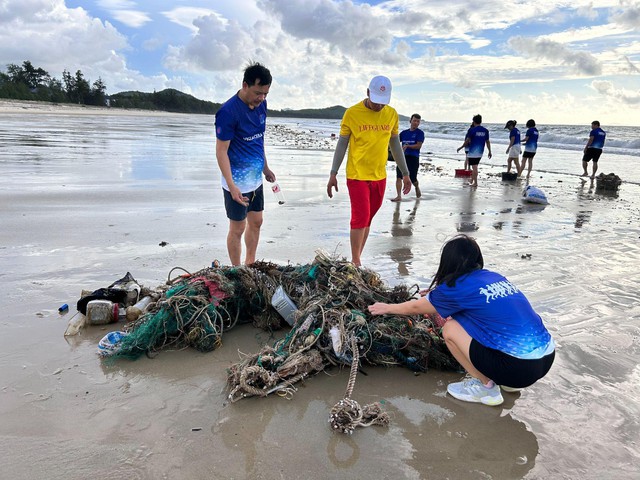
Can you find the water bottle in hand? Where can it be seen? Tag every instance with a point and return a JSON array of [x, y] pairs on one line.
[[278, 193]]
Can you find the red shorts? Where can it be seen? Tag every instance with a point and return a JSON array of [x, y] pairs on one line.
[[366, 199]]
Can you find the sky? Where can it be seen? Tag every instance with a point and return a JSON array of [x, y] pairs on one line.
[[557, 61]]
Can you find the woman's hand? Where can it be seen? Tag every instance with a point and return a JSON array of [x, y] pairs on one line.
[[379, 308]]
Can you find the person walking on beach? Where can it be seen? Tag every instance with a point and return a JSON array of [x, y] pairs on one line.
[[240, 127], [513, 150], [368, 128], [411, 140], [491, 328], [593, 148], [477, 137], [530, 147], [466, 149]]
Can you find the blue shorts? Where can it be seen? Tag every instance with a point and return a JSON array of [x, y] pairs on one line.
[[238, 212], [413, 163], [507, 370]]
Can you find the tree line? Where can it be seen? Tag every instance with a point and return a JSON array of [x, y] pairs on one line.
[[26, 82]]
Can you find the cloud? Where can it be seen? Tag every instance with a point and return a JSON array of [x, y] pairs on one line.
[[131, 18], [581, 62], [356, 30], [218, 45], [628, 15], [607, 89], [185, 16], [631, 68], [124, 11], [55, 38]]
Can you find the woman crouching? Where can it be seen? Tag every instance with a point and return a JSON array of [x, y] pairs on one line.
[[493, 332]]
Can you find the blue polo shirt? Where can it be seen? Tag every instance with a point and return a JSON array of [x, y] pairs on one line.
[[245, 128], [495, 313], [479, 136], [599, 136], [532, 140], [408, 137]]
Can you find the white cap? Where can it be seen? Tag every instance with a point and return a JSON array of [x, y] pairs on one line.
[[380, 90]]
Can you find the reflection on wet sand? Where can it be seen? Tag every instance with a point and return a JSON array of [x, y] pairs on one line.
[[402, 229], [467, 221]]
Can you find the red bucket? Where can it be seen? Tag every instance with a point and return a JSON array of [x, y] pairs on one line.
[[460, 172]]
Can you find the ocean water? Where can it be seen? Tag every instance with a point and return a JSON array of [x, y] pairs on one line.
[[559, 147]]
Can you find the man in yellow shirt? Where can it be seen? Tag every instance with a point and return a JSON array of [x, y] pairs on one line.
[[368, 128]]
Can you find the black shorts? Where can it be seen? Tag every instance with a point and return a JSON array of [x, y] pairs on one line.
[[507, 370], [238, 212], [413, 163], [528, 154], [592, 154], [474, 161]]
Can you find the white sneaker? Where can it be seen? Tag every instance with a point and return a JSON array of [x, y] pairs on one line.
[[472, 390], [510, 389]]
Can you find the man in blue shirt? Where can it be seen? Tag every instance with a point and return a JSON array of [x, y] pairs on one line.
[[412, 140], [240, 126], [593, 148], [477, 137]]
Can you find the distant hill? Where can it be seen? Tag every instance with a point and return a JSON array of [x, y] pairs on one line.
[[172, 100], [335, 112], [169, 100]]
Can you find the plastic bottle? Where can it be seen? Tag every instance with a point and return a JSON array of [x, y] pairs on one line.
[[278, 192], [136, 310], [75, 324], [101, 312]]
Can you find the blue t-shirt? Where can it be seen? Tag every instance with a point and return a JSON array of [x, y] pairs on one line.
[[244, 127], [598, 138], [479, 136], [532, 140], [409, 137], [494, 312], [515, 133]]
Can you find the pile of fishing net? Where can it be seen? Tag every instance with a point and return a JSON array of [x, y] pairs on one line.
[[331, 326]]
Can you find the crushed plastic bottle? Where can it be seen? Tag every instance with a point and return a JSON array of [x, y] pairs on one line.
[[75, 324]]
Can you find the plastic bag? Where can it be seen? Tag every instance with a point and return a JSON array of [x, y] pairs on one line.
[[533, 194]]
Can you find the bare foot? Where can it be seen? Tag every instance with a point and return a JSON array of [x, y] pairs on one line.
[[585, 174], [395, 199]]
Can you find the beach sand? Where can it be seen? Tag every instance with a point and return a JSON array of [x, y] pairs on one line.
[[74, 224]]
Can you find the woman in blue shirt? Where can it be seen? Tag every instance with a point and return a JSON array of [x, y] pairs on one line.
[[493, 331], [530, 146]]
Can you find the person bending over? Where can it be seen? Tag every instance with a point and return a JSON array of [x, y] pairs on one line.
[[491, 330]]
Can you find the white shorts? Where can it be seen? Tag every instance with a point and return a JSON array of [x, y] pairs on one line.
[[514, 151]]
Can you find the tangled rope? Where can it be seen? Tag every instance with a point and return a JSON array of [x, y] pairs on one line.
[[347, 414]]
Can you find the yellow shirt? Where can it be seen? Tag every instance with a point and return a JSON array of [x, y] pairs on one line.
[[369, 133]]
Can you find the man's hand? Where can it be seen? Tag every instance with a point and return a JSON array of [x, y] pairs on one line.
[[236, 194], [269, 175], [332, 183], [406, 182]]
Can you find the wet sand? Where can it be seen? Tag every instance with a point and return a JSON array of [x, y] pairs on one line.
[[76, 215]]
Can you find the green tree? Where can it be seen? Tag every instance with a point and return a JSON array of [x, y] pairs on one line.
[[97, 95], [32, 76]]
